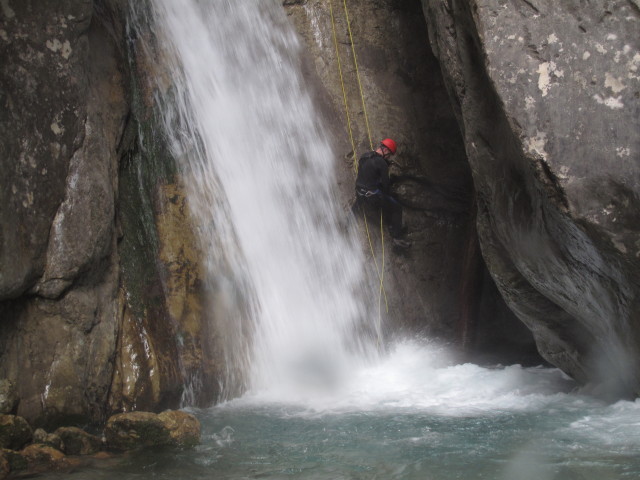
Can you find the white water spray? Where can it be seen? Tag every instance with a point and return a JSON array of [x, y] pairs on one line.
[[260, 177]]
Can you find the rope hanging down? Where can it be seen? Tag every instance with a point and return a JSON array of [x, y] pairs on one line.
[[355, 64], [379, 270]]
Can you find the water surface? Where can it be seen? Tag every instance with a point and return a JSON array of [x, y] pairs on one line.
[[415, 415]]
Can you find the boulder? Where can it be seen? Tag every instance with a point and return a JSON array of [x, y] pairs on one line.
[[40, 456], [42, 126], [78, 442], [15, 432], [16, 461], [184, 429], [129, 431], [50, 439], [8, 397], [4, 466]]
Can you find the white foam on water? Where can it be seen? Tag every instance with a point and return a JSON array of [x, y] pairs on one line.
[[424, 377], [611, 426]]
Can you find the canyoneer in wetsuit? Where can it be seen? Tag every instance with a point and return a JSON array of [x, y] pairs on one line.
[[372, 188]]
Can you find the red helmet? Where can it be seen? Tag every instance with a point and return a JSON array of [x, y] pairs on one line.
[[390, 144]]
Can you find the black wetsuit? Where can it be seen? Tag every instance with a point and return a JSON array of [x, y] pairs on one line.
[[372, 187]]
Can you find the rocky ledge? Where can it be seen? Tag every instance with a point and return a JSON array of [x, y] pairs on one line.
[[25, 451]]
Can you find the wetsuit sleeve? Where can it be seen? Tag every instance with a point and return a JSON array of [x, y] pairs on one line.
[[385, 183]]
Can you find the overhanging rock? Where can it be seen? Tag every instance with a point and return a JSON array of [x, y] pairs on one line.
[[547, 94]]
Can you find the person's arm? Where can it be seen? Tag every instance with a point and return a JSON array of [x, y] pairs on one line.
[[385, 183]]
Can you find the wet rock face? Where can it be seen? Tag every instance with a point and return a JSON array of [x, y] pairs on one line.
[[101, 290], [8, 397], [439, 287], [167, 350], [547, 94], [63, 112], [15, 432], [405, 99], [128, 431], [42, 124], [76, 441]]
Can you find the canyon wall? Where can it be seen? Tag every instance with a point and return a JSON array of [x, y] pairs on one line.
[[101, 292], [439, 288], [518, 173], [547, 96], [58, 264]]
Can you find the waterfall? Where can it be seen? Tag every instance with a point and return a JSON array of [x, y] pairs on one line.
[[284, 265]]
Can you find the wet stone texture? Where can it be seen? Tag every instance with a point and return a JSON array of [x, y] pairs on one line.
[[44, 89], [166, 351], [547, 95], [15, 432], [91, 234], [439, 287], [63, 112], [8, 397], [128, 431], [76, 441]]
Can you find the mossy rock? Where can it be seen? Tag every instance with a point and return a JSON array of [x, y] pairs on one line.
[[16, 461], [38, 455], [184, 429], [78, 442], [4, 466], [8, 397], [51, 439], [15, 432], [130, 431]]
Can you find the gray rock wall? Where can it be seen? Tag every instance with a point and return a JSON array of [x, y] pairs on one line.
[[547, 95], [100, 290], [58, 269], [40, 43]]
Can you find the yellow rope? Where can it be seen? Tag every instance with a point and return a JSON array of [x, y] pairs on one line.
[[344, 93], [366, 120], [379, 270], [382, 291], [355, 63]]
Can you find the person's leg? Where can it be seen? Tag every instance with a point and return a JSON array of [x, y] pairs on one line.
[[392, 210]]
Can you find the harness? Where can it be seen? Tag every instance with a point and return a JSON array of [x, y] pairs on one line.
[[363, 192]]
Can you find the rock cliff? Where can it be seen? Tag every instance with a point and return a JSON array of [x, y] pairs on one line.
[[58, 268], [440, 288], [100, 297], [547, 96]]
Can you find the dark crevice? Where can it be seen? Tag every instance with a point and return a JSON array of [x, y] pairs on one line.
[[531, 5], [489, 325]]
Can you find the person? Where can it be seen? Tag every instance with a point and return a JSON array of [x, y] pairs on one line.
[[373, 188]]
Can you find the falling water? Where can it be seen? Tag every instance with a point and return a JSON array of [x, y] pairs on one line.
[[286, 269]]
